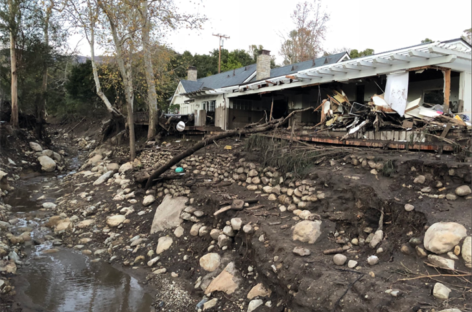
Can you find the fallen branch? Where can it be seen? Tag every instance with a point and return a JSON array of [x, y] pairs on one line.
[[262, 128], [333, 251]]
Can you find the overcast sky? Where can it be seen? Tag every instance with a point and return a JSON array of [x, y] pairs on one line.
[[361, 24]]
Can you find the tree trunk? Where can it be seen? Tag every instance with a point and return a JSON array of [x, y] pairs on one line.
[[261, 128], [150, 79], [126, 74], [14, 80]]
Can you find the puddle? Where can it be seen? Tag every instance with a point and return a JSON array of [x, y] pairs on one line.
[[66, 280]]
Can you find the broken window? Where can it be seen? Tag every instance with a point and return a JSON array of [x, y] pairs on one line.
[[435, 96]]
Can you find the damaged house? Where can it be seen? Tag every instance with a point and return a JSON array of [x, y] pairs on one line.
[[387, 97]]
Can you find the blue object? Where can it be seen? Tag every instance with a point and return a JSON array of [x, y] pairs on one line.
[[179, 169]]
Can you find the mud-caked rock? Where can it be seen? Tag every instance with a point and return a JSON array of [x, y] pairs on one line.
[[466, 251], [47, 164], [307, 231], [441, 237]]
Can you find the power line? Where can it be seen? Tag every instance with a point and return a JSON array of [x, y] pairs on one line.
[[221, 36]]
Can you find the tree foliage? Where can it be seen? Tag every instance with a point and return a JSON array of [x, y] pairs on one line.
[[354, 53], [305, 41], [427, 40]]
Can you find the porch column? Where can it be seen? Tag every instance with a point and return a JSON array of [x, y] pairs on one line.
[[465, 93]]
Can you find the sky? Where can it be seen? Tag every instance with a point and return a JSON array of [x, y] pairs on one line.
[[380, 25]]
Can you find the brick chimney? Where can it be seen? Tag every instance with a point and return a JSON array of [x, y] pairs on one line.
[[263, 65], [192, 73]]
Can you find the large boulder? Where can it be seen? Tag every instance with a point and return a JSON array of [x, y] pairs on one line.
[[35, 147], [307, 231], [167, 215], [441, 237], [47, 164]]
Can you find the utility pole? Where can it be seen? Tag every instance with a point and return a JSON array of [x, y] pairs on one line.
[[221, 36]]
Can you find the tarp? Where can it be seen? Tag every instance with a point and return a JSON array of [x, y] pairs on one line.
[[396, 91]]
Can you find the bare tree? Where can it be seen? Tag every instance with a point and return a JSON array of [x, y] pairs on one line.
[[304, 42]]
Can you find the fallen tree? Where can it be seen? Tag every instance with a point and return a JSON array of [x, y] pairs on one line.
[[250, 129]]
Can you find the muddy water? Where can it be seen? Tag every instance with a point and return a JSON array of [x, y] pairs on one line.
[[65, 280]]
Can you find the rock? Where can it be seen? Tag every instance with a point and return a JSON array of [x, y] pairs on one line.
[[179, 231], [113, 167], [226, 281], [223, 241], [62, 226], [259, 291], [210, 262], [252, 173], [405, 249], [85, 223], [252, 187], [376, 239], [160, 271], [248, 229], [214, 233], [35, 147], [451, 197], [167, 215], [441, 237], [254, 304], [195, 229], [103, 178], [210, 304], [420, 252], [440, 291], [48, 153], [339, 259], [115, 220], [2, 174], [236, 223], [228, 230], [351, 264], [272, 197], [307, 231], [419, 179], [457, 249], [463, 190], [8, 267], [125, 167], [373, 260], [47, 164], [49, 205], [267, 189], [84, 240], [163, 243], [148, 199], [450, 310], [409, 207], [466, 251], [302, 252], [153, 261], [441, 262]]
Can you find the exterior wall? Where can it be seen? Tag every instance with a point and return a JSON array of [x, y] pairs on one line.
[[416, 89], [240, 118], [465, 93]]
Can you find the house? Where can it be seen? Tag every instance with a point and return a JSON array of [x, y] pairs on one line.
[[206, 97], [424, 74]]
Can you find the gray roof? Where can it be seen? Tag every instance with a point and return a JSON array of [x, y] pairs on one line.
[[239, 75], [293, 68], [224, 79]]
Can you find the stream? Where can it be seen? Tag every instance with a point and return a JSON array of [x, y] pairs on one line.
[[55, 278]]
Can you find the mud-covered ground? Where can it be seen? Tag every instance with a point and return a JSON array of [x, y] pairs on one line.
[[297, 244]]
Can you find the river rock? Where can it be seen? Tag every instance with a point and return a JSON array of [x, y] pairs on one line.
[[228, 231], [236, 223], [441, 262], [441, 291], [376, 239], [163, 244], [254, 304], [420, 179], [85, 223], [463, 190], [466, 251], [148, 199], [56, 156], [179, 231], [226, 281], [2, 174], [259, 291], [115, 220], [307, 231], [35, 147], [8, 266], [103, 178], [339, 259], [441, 237], [351, 264], [214, 233], [302, 252], [373, 260], [195, 228], [47, 164], [62, 226], [113, 166], [210, 262], [450, 310], [210, 304], [49, 205], [409, 207], [126, 167], [48, 153]]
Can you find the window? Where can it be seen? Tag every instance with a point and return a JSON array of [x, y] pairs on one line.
[[211, 108], [434, 96]]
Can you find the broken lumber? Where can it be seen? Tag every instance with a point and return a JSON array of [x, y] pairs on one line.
[[210, 140]]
